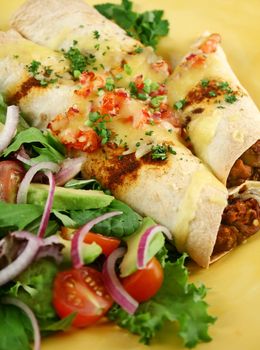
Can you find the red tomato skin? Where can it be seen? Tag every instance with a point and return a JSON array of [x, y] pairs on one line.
[[11, 175], [108, 244], [81, 291], [143, 284]]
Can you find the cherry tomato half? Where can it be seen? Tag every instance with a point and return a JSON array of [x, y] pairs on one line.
[[108, 244], [11, 174], [81, 291], [143, 284]]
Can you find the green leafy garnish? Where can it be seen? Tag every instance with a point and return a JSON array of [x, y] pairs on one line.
[[37, 70], [78, 61], [230, 98], [110, 84], [127, 69], [148, 27], [177, 300], [212, 93], [204, 82], [159, 152], [180, 104], [98, 123], [96, 34]]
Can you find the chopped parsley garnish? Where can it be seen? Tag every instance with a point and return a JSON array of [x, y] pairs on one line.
[[156, 101], [127, 69], [150, 86], [139, 49], [224, 85], [96, 34], [33, 67], [180, 104], [149, 133], [204, 82], [159, 152], [142, 96], [98, 123], [138, 144], [133, 89], [148, 27], [38, 70], [230, 98], [118, 76], [110, 84], [78, 61], [212, 93], [97, 46]]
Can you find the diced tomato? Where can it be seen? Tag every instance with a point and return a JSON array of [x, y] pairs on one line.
[[112, 102], [143, 284], [210, 45], [108, 244], [81, 291], [195, 60], [11, 175], [139, 82], [87, 141]]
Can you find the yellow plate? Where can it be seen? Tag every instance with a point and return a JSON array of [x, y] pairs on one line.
[[234, 281]]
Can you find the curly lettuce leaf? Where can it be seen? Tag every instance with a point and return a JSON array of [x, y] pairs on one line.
[[177, 300]]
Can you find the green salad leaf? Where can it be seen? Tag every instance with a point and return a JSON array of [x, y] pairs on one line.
[[50, 148], [34, 288], [177, 300], [148, 27], [17, 216], [119, 226], [15, 329]]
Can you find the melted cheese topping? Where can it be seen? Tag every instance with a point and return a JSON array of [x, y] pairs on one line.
[[189, 204], [202, 131]]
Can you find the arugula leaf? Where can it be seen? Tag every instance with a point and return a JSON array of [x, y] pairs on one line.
[[34, 288], [51, 148], [65, 219], [119, 226], [57, 325], [15, 329], [177, 300], [18, 216], [148, 27]]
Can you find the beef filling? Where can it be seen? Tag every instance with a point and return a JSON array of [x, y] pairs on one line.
[[247, 167], [240, 220]]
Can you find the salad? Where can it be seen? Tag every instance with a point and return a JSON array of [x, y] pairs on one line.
[[70, 253]]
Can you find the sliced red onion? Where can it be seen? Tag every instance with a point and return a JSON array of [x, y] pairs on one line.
[[31, 316], [8, 132], [79, 236], [69, 169], [51, 247], [24, 186], [48, 205], [24, 259], [114, 286], [24, 160], [142, 251]]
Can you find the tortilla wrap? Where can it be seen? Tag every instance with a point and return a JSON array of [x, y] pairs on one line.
[[70, 21], [220, 131], [178, 192]]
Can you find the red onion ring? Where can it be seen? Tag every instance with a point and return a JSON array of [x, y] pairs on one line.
[[142, 251], [31, 316], [24, 186], [8, 132], [48, 205], [24, 259], [79, 236], [69, 169], [114, 286], [24, 160]]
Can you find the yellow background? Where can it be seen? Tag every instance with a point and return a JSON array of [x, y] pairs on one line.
[[234, 282]]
